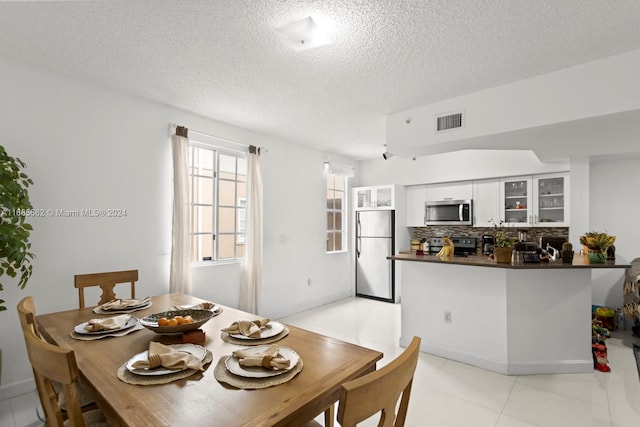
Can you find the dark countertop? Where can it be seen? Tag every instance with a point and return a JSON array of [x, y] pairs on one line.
[[579, 261]]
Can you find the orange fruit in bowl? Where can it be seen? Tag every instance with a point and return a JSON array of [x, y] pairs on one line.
[[163, 321], [188, 319], [172, 322], [179, 319]]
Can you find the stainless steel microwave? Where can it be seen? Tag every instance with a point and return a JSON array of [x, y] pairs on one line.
[[449, 212]]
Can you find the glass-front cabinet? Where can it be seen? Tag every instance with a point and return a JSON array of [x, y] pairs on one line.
[[515, 196], [378, 197], [552, 200], [541, 200]]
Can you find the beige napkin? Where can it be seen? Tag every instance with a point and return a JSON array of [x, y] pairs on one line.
[[108, 324], [269, 359], [200, 306], [249, 328], [169, 358], [119, 304]]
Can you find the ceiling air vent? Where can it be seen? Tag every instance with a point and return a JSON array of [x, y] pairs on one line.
[[449, 122]]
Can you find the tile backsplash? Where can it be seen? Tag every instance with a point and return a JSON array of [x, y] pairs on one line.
[[533, 233]]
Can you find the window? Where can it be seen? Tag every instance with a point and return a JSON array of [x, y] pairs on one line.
[[335, 213], [218, 185]]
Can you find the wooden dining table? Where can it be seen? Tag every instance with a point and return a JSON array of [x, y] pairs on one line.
[[200, 400]]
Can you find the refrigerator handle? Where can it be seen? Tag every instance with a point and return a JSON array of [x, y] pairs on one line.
[[358, 241]]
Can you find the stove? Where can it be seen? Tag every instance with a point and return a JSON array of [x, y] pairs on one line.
[[462, 246]]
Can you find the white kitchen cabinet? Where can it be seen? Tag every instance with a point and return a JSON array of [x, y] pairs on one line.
[[376, 197], [416, 198], [450, 191], [530, 201], [551, 200], [486, 202]]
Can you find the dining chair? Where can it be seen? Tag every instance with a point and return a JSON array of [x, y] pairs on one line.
[[51, 364], [27, 315], [106, 281], [379, 391]]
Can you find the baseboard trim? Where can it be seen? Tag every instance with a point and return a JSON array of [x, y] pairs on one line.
[[9, 391], [506, 367]]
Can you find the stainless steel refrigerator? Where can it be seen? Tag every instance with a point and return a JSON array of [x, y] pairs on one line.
[[375, 274]]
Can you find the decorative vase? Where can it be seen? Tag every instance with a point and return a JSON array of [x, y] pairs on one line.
[[596, 257], [567, 257], [502, 255]]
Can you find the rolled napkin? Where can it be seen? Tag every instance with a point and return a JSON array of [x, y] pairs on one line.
[[200, 306], [269, 359], [249, 328], [107, 324], [119, 304], [167, 357]]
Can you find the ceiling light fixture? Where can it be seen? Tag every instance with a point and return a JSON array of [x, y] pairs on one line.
[[304, 34]]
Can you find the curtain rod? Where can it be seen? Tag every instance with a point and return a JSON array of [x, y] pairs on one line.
[[173, 125]]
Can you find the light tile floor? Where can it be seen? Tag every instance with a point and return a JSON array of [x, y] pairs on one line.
[[451, 394]]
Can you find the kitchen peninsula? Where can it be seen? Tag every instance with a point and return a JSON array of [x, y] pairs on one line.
[[515, 319]]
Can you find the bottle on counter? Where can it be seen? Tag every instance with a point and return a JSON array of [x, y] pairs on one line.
[[620, 320]]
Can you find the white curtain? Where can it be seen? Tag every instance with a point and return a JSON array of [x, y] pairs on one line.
[[252, 269], [180, 275]]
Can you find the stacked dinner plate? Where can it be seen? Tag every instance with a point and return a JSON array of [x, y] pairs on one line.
[[233, 363], [193, 349], [122, 306], [81, 328]]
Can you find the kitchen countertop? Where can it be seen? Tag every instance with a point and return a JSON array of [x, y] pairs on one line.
[[579, 261]]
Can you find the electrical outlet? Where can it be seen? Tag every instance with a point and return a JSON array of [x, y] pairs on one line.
[[447, 316]]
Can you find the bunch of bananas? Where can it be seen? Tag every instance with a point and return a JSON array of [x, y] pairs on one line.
[[447, 247]]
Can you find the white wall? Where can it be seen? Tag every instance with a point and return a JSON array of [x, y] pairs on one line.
[[88, 147], [454, 166], [615, 208], [598, 88]]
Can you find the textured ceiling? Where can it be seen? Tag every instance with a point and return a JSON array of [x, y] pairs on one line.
[[223, 60]]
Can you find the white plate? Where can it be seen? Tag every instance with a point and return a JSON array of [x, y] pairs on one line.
[[80, 329], [271, 329], [99, 310], [233, 364], [196, 350]]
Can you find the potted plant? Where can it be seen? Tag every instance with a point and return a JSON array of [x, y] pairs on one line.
[[597, 245], [503, 247], [567, 253], [15, 208]]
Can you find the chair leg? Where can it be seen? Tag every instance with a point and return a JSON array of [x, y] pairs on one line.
[[329, 416]]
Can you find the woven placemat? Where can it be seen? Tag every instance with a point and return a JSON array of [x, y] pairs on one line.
[[128, 377], [239, 341], [224, 376], [83, 337]]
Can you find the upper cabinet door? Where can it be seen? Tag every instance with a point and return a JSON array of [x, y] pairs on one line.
[[376, 197], [450, 191], [416, 198], [486, 202], [551, 202], [515, 201]]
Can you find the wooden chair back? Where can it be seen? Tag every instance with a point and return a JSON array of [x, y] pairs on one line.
[[52, 363], [27, 314], [106, 281], [379, 391]]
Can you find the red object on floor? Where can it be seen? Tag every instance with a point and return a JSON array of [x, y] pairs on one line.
[[602, 368]]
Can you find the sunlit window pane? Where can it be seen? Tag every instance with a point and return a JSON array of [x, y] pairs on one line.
[[217, 180], [227, 191], [226, 246]]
